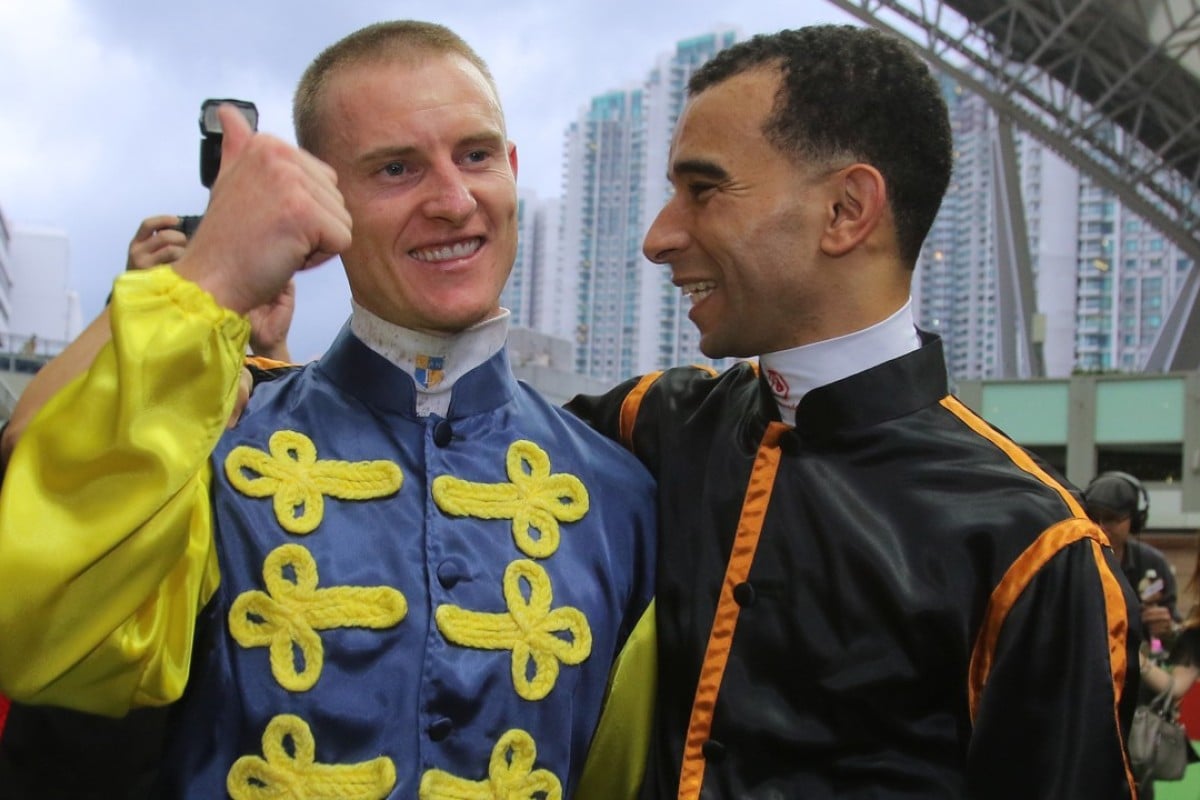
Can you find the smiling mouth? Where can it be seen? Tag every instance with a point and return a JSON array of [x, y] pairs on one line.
[[698, 291], [448, 252]]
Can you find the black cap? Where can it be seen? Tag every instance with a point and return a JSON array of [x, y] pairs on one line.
[[1113, 493]]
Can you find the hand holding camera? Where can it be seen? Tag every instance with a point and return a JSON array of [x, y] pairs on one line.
[[158, 241], [211, 135]]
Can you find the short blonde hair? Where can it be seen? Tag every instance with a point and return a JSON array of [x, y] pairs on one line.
[[404, 40]]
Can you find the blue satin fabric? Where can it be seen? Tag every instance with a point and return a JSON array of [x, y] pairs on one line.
[[404, 692]]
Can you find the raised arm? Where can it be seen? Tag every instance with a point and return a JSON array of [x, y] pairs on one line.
[[105, 535]]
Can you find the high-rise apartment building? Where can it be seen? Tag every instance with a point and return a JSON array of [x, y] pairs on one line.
[[1128, 276], [954, 289], [628, 318], [1050, 188], [518, 296], [552, 313], [1103, 279]]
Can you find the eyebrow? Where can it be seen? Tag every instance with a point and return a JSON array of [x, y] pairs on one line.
[[700, 167], [482, 138], [385, 153]]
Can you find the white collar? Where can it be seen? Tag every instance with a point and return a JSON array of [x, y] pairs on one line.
[[794, 373], [434, 361]]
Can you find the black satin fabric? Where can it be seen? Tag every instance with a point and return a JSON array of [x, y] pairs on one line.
[[890, 526]]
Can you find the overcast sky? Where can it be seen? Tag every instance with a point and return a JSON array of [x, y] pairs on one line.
[[101, 99]]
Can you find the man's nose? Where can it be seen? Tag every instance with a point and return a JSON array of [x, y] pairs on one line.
[[667, 235], [450, 197]]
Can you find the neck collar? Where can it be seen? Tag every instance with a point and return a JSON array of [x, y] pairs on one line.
[[435, 362], [793, 373]]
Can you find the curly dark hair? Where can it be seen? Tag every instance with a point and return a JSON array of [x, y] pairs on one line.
[[850, 92]]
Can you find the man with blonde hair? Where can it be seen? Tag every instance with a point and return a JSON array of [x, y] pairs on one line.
[[402, 573]]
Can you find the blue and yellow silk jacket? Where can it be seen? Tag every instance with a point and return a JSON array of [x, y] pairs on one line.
[[348, 597]]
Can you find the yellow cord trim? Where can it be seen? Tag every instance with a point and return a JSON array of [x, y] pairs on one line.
[[298, 482], [534, 500], [288, 615], [534, 633], [511, 776], [291, 773]]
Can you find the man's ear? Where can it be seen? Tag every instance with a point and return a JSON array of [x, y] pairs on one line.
[[859, 203]]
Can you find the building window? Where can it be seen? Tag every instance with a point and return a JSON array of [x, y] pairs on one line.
[[1149, 462]]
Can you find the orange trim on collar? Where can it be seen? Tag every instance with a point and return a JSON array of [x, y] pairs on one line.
[[262, 362]]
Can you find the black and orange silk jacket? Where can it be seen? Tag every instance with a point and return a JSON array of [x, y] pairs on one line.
[[889, 600]]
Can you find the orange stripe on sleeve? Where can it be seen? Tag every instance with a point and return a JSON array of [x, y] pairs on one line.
[[631, 404], [1013, 451], [1019, 575], [1118, 632], [1017, 579], [720, 638], [1014, 582]]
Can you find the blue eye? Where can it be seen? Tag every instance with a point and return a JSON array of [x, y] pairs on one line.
[[394, 169]]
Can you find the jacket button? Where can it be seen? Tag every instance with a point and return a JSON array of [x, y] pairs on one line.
[[713, 751], [442, 433], [450, 572], [744, 594], [440, 729]]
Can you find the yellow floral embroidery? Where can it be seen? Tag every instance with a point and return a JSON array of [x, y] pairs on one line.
[[511, 776], [534, 499], [530, 630], [291, 773], [288, 615], [298, 482]]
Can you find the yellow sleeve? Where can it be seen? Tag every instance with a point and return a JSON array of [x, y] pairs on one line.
[[106, 552], [616, 759]]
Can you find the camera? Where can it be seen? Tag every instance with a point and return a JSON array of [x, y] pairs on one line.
[[210, 149], [188, 224]]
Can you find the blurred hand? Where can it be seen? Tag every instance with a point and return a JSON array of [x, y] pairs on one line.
[[269, 324], [274, 210], [156, 243], [1157, 621]]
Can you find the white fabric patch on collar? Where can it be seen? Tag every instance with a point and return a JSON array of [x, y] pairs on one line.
[[796, 372], [434, 361]]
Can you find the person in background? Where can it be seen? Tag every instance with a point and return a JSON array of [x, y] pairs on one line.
[[115, 759], [1119, 504], [159, 240], [1170, 659], [863, 589]]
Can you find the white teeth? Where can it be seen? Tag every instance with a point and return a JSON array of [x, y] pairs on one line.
[[449, 252], [698, 291]]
